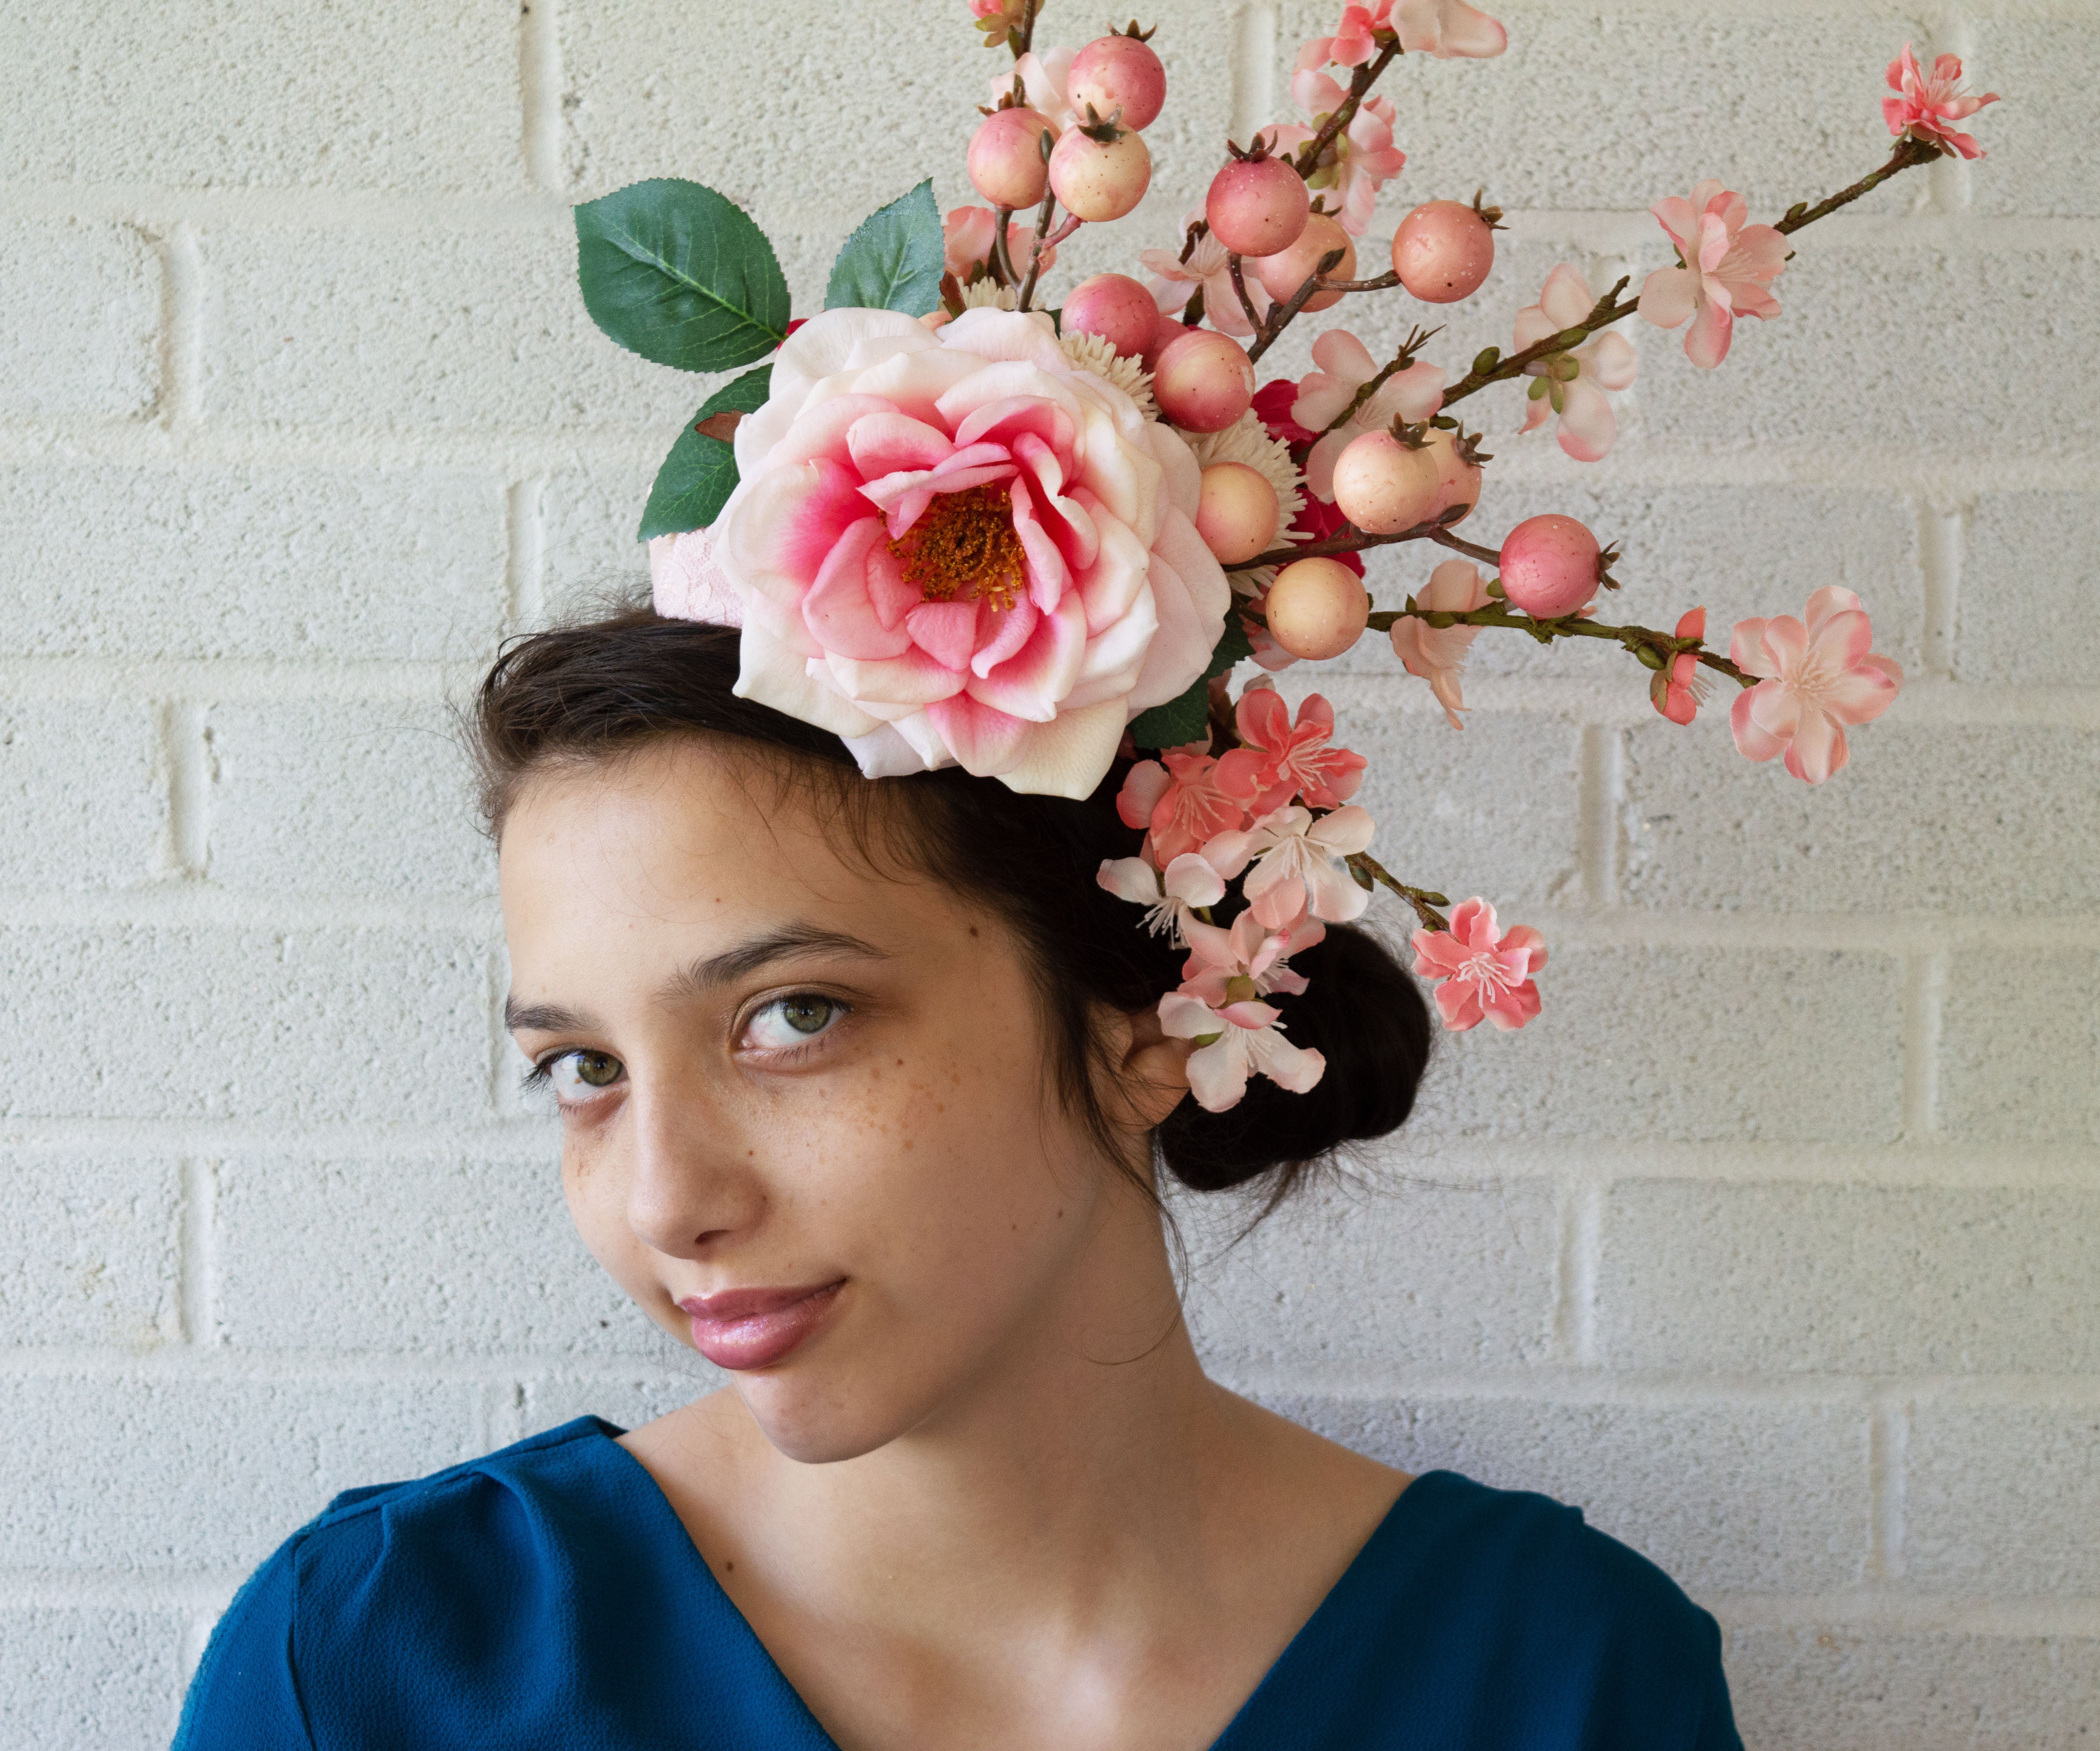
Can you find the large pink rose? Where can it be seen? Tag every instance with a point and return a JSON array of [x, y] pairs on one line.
[[955, 547]]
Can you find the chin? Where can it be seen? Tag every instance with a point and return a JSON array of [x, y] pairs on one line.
[[816, 1420]]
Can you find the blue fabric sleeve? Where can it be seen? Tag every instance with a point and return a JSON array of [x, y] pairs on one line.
[[246, 1697]]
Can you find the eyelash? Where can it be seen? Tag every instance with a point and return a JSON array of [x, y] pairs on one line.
[[541, 1074]]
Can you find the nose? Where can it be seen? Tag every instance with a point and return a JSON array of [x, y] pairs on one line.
[[693, 1182]]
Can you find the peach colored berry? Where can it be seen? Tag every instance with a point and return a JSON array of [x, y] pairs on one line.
[[1118, 72], [1549, 565], [1006, 158], [1097, 180], [1117, 308], [1317, 608], [1237, 516], [1257, 206], [1282, 273], [1384, 486], [1443, 251], [1457, 480], [1204, 380]]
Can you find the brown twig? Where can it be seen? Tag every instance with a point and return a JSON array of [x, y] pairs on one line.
[[1633, 638], [1239, 285], [1001, 259], [1035, 253], [1425, 901], [1414, 344], [1909, 152]]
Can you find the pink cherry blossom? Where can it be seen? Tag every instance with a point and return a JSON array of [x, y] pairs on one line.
[[1187, 796], [1043, 80], [1362, 157], [1681, 686], [1248, 950], [1817, 678], [1925, 107], [966, 235], [1438, 28], [961, 547], [1297, 867], [1726, 268], [1438, 654], [1208, 268], [1237, 1041], [1588, 427], [1169, 896], [1345, 365], [1296, 762], [1485, 977]]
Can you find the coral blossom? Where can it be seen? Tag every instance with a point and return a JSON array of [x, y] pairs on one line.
[[1925, 108], [1248, 950], [1296, 762], [962, 548], [1438, 28], [1679, 687], [1817, 678], [1187, 796], [1437, 654], [1588, 427], [1485, 977], [1727, 268]]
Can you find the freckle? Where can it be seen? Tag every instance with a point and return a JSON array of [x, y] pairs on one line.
[[974, 929], [729, 1568], [900, 1064], [1061, 1215]]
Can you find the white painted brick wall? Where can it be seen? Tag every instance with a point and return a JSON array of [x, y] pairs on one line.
[[1776, 1245]]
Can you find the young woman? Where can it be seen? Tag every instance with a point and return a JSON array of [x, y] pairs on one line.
[[864, 1096]]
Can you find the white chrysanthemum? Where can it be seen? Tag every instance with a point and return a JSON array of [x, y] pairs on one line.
[[1255, 579], [1246, 440], [988, 294], [1089, 352]]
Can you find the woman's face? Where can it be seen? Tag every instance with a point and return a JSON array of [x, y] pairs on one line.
[[807, 1120]]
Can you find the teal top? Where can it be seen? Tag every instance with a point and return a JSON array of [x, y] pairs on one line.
[[547, 1596]]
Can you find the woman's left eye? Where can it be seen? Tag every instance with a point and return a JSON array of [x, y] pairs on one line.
[[578, 1077], [790, 1021]]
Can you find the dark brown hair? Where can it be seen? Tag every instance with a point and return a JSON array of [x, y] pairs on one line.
[[603, 689]]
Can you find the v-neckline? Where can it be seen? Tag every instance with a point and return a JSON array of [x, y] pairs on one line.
[[1334, 1601]]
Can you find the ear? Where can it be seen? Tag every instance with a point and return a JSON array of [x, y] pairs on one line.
[[1152, 1071]]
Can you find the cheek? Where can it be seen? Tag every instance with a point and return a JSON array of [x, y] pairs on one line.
[[594, 1187]]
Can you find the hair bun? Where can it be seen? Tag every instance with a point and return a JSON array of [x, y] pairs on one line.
[[1365, 1015]]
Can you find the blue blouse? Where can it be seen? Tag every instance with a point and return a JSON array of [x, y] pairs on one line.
[[548, 1596]]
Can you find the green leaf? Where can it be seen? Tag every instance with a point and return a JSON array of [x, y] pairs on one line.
[[700, 473], [1185, 719], [678, 274], [893, 261]]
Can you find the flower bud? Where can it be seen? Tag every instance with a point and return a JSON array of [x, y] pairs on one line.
[[1648, 657]]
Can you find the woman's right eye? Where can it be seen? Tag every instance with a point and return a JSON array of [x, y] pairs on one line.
[[580, 1077]]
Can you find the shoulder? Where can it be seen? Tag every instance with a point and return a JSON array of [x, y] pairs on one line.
[[1568, 1635], [431, 1594]]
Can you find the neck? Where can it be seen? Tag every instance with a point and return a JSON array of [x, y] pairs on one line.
[[1089, 1436]]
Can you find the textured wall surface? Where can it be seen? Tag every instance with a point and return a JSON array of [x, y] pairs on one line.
[[1776, 1245]]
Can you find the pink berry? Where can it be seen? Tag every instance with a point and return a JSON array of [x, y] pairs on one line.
[[1204, 380], [1282, 273], [1457, 480], [1317, 608], [1237, 515], [1384, 486], [1006, 158], [1549, 565], [1100, 179], [1117, 308], [1171, 328], [1257, 206], [1118, 72], [1443, 251]]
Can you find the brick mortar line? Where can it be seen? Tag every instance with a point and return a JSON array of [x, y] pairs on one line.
[[539, 94], [1253, 68]]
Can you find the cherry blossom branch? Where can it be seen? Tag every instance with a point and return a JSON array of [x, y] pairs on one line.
[[1415, 342], [1908, 154], [1021, 42], [1361, 83], [1632, 638], [1367, 869], [1490, 367], [1001, 260], [1354, 541], [1239, 285], [1385, 282]]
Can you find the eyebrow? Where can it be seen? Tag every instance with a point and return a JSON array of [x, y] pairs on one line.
[[703, 975]]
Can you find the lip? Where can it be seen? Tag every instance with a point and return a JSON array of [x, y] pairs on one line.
[[742, 1329]]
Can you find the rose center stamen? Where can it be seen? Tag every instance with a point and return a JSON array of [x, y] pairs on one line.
[[963, 547]]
